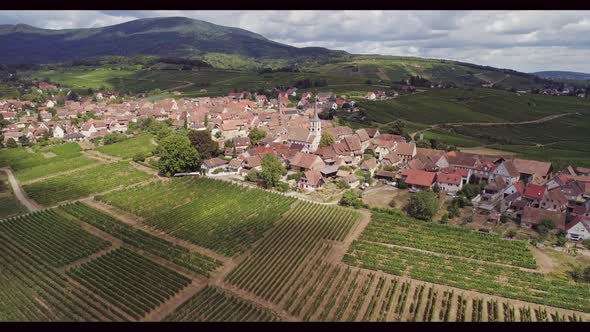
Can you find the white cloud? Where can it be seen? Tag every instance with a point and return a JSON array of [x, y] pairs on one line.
[[522, 40]]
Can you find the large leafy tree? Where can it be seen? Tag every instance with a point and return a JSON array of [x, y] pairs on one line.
[[272, 168], [423, 205], [177, 155], [201, 140], [256, 135], [327, 140]]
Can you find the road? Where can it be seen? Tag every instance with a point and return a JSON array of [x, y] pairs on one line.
[[19, 193]]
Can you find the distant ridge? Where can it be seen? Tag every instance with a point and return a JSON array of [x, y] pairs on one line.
[[562, 75]]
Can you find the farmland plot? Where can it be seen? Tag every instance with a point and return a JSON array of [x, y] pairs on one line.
[[45, 161], [129, 147], [466, 274], [404, 231], [33, 290], [84, 183], [51, 237], [216, 305], [130, 282], [142, 240], [214, 214], [274, 262]]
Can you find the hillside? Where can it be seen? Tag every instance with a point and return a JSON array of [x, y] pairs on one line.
[[562, 75], [237, 49], [171, 36]]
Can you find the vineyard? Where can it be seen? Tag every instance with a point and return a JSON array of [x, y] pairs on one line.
[[274, 262], [129, 147], [32, 290], [130, 282], [9, 205], [216, 305], [51, 237], [142, 240], [214, 214], [29, 165], [465, 274], [404, 231], [84, 182]]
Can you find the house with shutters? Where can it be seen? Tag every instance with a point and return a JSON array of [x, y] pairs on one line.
[[578, 229]]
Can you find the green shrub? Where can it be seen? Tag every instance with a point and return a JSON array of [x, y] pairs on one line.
[[353, 199], [139, 157]]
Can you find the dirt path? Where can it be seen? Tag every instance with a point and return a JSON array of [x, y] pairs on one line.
[[544, 262], [185, 85], [19, 193], [145, 169], [176, 301], [339, 249], [100, 156]]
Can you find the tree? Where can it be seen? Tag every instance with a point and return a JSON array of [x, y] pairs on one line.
[[353, 199], [177, 155], [201, 140], [327, 139], [470, 190], [256, 135], [401, 184], [586, 243], [272, 168], [423, 205], [24, 140], [11, 143], [398, 127], [580, 274], [545, 227]]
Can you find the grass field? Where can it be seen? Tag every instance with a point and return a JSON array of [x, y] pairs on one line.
[[214, 214], [31, 164], [129, 147], [83, 183]]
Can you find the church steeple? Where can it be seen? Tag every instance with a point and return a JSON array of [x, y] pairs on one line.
[[315, 127], [315, 118]]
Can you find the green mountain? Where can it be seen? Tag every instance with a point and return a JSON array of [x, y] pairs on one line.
[[170, 36], [236, 49]]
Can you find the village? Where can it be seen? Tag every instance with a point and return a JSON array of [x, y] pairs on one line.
[[318, 154]]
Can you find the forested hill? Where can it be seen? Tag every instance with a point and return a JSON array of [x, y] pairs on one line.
[[170, 36]]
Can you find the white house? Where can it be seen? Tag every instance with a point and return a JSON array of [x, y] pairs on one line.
[[59, 132], [214, 166], [50, 104], [578, 229], [450, 183]]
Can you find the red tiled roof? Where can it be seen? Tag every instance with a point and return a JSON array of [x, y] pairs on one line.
[[534, 191], [313, 177], [214, 162], [448, 178], [419, 178]]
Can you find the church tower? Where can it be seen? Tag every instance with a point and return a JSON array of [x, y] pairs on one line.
[[315, 130], [315, 127]]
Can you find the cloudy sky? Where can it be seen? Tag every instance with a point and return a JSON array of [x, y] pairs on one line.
[[522, 40]]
